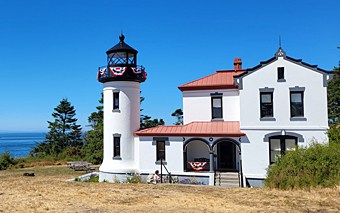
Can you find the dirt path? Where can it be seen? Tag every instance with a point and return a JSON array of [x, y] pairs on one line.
[[48, 192]]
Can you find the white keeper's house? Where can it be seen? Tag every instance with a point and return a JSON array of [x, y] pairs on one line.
[[235, 121]]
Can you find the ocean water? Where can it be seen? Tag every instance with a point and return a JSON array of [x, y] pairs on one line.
[[19, 144]]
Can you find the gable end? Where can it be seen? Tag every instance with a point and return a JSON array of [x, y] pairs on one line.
[[327, 75]]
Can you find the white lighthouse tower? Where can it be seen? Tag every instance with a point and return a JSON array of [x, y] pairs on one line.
[[121, 79]]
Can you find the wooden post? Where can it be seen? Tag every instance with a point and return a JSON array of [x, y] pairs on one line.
[[161, 169]]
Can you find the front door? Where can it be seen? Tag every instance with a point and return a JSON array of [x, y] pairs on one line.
[[226, 156]]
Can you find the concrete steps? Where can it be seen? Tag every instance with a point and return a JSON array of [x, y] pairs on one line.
[[227, 179]]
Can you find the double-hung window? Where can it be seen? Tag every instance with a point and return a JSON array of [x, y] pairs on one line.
[[160, 144], [160, 150], [216, 106], [296, 103], [281, 145], [266, 104]]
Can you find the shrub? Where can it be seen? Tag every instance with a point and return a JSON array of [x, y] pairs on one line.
[[316, 165], [6, 160], [135, 178], [149, 179], [94, 179]]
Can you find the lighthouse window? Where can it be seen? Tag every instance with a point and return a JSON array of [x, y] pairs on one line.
[[117, 58], [115, 100], [116, 147]]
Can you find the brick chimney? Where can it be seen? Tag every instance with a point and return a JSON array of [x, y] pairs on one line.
[[237, 64]]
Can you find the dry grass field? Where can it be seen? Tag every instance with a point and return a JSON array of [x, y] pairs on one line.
[[47, 191]]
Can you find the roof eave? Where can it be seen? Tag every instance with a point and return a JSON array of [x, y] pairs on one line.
[[210, 87], [190, 134]]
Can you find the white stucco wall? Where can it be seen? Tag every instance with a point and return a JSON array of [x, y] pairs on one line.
[[123, 122], [315, 96], [197, 105], [173, 155], [255, 152]]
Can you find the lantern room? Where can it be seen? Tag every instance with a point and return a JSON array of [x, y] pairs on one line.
[[121, 54], [121, 64]]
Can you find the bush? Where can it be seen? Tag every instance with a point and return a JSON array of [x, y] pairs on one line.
[[93, 178], [135, 178], [316, 165], [6, 160]]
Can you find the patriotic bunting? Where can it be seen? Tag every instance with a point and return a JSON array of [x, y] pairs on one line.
[[118, 71], [136, 70], [144, 73], [197, 166], [101, 72]]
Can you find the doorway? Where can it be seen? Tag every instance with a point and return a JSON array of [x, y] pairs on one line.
[[226, 156]]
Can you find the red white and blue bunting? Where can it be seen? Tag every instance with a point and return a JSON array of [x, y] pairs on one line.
[[118, 71], [197, 166], [144, 73], [136, 70], [101, 73]]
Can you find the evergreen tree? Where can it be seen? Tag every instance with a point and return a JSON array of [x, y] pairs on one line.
[[97, 117], [179, 115], [333, 96], [94, 138], [146, 122], [64, 132]]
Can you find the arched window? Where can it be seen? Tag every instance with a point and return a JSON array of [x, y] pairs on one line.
[[280, 145]]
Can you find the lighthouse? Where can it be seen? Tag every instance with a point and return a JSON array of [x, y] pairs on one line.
[[121, 79]]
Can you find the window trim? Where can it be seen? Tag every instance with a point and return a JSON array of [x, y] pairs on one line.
[[155, 143], [213, 96], [115, 156], [282, 144], [300, 90], [114, 93]]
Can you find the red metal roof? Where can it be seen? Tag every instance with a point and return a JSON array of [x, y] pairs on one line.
[[198, 129], [222, 79]]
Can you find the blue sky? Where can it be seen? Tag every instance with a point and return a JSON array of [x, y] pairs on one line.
[[51, 50]]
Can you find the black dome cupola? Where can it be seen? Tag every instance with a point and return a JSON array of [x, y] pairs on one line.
[[121, 64]]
